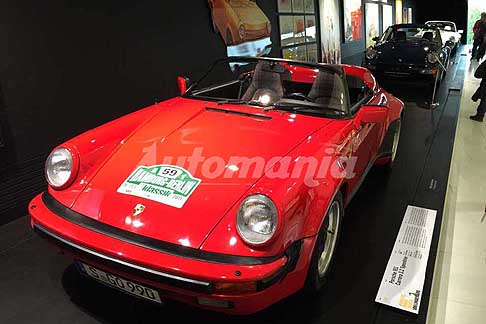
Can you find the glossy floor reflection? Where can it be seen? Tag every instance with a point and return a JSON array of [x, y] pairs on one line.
[[459, 289]]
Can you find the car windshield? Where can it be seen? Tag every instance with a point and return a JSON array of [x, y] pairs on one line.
[[442, 25], [274, 84], [398, 33]]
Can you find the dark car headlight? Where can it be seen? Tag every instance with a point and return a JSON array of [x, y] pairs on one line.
[[432, 58], [61, 168], [257, 219], [371, 53]]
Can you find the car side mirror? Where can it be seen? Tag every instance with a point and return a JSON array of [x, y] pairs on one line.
[[183, 84], [460, 31], [371, 115]]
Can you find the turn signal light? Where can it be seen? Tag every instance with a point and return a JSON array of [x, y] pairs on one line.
[[235, 288]]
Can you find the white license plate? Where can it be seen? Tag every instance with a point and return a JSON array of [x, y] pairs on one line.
[[120, 283]]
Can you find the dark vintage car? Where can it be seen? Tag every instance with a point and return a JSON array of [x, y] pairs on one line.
[[409, 51]]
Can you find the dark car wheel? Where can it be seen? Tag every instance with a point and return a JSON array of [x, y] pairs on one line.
[[325, 247], [396, 131]]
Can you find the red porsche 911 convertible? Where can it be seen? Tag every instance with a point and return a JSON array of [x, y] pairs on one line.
[[229, 197]]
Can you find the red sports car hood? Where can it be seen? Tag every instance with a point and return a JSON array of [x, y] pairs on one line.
[[183, 204]]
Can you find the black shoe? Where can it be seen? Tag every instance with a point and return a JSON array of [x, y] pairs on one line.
[[477, 118]]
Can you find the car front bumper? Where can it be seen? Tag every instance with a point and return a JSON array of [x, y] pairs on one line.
[[189, 280], [403, 71]]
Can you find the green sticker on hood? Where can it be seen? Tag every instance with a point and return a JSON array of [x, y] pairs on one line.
[[166, 184]]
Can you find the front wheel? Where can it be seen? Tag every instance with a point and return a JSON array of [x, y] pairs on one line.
[[325, 246]]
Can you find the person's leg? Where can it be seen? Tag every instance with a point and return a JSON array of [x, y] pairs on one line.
[[481, 51], [480, 112], [475, 48]]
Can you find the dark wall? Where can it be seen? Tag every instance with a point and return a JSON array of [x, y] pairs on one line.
[[68, 66]]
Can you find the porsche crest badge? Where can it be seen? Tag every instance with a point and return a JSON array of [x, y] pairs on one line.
[[138, 210]]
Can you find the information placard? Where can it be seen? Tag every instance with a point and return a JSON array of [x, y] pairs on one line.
[[403, 281]]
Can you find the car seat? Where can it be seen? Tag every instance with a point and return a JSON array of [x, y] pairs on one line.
[[328, 90], [266, 80]]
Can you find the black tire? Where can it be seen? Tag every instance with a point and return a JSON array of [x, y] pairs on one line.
[[315, 280]]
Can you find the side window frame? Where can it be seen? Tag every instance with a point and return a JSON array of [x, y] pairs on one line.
[[353, 109]]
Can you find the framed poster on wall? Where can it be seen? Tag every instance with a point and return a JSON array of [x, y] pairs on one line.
[[353, 20], [372, 23], [410, 16], [298, 33], [398, 11], [284, 5], [387, 16], [405, 16], [330, 31]]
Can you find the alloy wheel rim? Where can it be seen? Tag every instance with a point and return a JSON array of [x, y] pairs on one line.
[[396, 140], [331, 231]]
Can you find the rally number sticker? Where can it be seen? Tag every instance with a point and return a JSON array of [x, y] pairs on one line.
[[166, 184]]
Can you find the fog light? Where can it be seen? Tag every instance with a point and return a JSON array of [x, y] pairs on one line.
[[217, 303], [235, 288]]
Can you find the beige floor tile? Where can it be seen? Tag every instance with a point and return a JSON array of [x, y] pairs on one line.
[[459, 287], [443, 311], [460, 278]]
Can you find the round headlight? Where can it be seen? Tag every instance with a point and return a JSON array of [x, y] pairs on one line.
[[59, 168], [257, 219], [432, 58], [371, 53]]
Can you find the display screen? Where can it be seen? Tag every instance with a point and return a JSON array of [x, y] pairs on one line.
[[387, 16], [353, 20], [372, 23], [399, 11], [330, 31]]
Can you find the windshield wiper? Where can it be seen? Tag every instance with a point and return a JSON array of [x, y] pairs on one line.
[[293, 105], [232, 101]]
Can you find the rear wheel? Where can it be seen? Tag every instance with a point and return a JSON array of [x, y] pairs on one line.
[[396, 140], [325, 246], [396, 129]]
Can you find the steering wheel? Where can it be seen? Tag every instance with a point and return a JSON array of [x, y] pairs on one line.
[[298, 95]]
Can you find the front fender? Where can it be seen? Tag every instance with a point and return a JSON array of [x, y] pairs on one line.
[[96, 146]]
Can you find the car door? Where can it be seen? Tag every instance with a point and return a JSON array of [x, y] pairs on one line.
[[365, 135]]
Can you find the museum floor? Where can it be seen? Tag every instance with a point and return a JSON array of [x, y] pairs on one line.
[[39, 285], [459, 290]]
